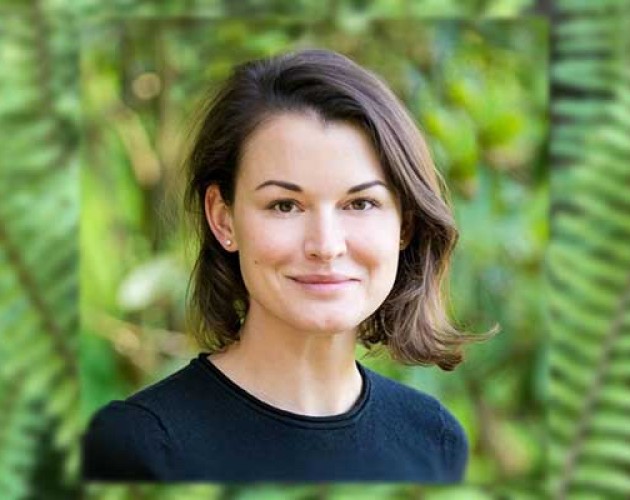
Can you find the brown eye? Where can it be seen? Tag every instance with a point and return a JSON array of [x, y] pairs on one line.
[[283, 206], [363, 204]]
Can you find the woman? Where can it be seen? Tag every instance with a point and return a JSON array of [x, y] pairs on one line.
[[321, 224]]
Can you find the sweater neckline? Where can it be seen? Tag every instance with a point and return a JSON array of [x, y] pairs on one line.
[[296, 419]]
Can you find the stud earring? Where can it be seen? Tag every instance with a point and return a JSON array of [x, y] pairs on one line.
[[228, 242]]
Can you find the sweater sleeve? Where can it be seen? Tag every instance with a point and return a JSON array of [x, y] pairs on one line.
[[125, 442], [454, 447]]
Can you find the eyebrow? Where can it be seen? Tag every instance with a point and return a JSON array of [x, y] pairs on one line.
[[294, 187]]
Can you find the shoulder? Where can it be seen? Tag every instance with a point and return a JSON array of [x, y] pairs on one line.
[[403, 400], [125, 441], [454, 445], [410, 409], [135, 438], [170, 392]]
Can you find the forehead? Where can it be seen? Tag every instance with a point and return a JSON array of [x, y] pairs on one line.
[[304, 149]]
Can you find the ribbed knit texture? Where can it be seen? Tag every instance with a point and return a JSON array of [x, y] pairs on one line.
[[198, 425]]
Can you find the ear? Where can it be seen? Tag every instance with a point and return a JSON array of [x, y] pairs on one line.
[[219, 218], [406, 230]]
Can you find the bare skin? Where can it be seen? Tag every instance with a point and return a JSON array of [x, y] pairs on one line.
[[340, 218], [316, 377]]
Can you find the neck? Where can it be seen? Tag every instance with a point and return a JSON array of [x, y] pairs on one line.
[[311, 374]]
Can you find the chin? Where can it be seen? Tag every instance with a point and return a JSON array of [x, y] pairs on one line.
[[332, 319], [327, 326]]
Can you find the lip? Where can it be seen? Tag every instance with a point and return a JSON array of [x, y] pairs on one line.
[[322, 279], [323, 283]]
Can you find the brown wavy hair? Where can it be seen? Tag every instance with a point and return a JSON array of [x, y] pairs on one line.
[[411, 322]]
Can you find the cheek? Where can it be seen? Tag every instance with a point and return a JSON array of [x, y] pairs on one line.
[[382, 261], [378, 243], [263, 243]]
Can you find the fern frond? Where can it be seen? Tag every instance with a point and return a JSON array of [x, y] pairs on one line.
[[20, 429], [38, 249], [589, 269]]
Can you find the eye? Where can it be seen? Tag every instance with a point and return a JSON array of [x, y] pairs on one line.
[[283, 206], [363, 204]]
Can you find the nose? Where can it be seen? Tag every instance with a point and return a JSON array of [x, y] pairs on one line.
[[325, 238]]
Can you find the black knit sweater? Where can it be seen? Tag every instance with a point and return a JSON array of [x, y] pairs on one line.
[[198, 425]]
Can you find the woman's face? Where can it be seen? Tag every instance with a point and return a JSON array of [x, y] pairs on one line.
[[316, 225]]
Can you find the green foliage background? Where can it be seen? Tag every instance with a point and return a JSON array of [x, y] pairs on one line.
[[477, 87]]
